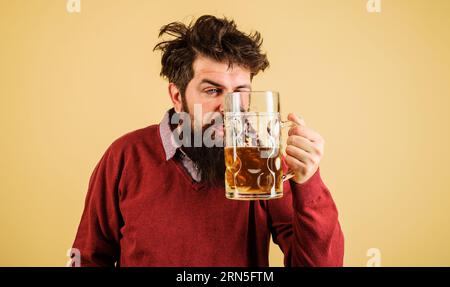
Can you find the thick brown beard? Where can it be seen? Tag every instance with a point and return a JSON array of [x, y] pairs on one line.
[[210, 161]]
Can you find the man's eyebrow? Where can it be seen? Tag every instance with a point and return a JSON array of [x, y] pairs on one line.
[[207, 81], [246, 86]]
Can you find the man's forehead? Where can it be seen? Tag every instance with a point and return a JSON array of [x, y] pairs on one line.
[[209, 68]]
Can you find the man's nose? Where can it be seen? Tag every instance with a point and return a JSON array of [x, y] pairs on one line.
[[221, 103], [222, 99]]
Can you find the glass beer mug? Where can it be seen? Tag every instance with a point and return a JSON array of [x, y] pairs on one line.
[[252, 145]]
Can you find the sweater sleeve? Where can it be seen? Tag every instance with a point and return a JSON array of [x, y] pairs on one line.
[[304, 223], [98, 233]]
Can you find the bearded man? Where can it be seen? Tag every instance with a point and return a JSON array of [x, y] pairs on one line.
[[154, 202]]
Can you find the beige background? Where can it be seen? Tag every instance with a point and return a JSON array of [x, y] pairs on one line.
[[375, 85]]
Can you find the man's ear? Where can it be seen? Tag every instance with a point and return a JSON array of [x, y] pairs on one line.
[[175, 96]]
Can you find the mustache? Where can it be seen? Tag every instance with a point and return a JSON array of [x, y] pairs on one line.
[[214, 122], [206, 130], [217, 121]]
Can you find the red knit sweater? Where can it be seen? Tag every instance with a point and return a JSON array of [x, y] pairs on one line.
[[144, 210]]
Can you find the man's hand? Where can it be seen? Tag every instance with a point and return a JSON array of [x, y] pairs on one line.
[[304, 150]]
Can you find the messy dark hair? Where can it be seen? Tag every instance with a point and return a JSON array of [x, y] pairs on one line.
[[218, 39]]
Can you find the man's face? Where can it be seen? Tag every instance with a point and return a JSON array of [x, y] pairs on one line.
[[211, 82]]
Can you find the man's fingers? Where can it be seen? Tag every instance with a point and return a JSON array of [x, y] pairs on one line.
[[306, 132], [300, 154], [295, 164], [296, 119], [303, 143], [302, 129]]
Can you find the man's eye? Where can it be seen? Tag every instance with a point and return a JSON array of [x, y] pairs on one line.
[[213, 91]]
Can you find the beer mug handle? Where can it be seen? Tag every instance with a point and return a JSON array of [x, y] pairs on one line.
[[288, 124]]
